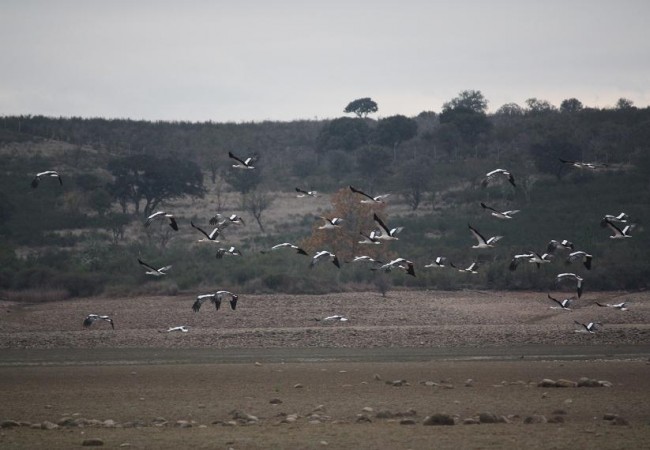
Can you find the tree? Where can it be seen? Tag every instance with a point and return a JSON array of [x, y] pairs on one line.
[[510, 110], [467, 113], [624, 103], [571, 105], [537, 106], [256, 202], [467, 100], [153, 180], [343, 133], [414, 179], [394, 130], [361, 107]]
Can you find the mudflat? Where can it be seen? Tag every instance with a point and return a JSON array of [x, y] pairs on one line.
[[253, 378]]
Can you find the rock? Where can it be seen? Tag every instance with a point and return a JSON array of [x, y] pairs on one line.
[[559, 412], [397, 383], [9, 424], [258, 364], [429, 383], [546, 382], [544, 394], [556, 419], [48, 406], [610, 416], [297, 386], [362, 418], [367, 409], [618, 420], [447, 386], [562, 383], [469, 382], [408, 413], [66, 422], [588, 382], [323, 443], [314, 422], [535, 418], [275, 401], [183, 424], [503, 419], [384, 414], [45, 425], [35, 426], [604, 383], [439, 419], [377, 377], [92, 442], [109, 423], [407, 421], [319, 408], [488, 417], [126, 444], [471, 421]]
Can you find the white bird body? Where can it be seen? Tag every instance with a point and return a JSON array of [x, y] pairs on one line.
[[230, 251], [439, 262], [496, 173], [181, 328], [580, 256], [336, 318], [153, 271], [472, 268], [590, 327], [331, 224], [514, 262], [302, 193], [369, 198], [215, 298], [563, 244], [92, 318], [372, 238], [47, 173], [504, 215], [571, 276], [619, 233], [322, 255], [399, 263], [242, 163], [221, 221], [563, 305], [287, 245], [620, 306], [385, 233], [366, 259], [482, 242], [621, 217], [583, 165], [160, 215], [212, 237]]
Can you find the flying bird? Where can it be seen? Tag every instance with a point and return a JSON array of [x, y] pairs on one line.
[[367, 259], [399, 263], [92, 318], [496, 173], [386, 234], [153, 271], [47, 173], [243, 163], [439, 262], [372, 238], [499, 214], [322, 255], [215, 298], [590, 327], [472, 268], [336, 318], [582, 164], [620, 306], [286, 245], [212, 237], [621, 218], [540, 259], [181, 328], [580, 256], [619, 233], [369, 198], [564, 244], [160, 215], [564, 304], [231, 251], [571, 276], [482, 242], [330, 224], [514, 262], [221, 221], [302, 193]]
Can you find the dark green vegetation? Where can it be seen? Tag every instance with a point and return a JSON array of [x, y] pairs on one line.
[[84, 238]]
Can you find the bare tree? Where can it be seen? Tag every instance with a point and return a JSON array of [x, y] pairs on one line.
[[256, 202]]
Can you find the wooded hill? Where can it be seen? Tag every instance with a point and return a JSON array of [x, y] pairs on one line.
[[84, 237]]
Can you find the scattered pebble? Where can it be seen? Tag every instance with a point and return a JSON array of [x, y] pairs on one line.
[[92, 442], [535, 418], [439, 419], [275, 401]]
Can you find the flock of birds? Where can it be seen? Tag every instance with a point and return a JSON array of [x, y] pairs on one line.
[[618, 224]]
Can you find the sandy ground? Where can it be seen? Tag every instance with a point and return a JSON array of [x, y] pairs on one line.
[[223, 385]]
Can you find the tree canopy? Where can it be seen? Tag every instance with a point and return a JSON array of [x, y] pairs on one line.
[[361, 107]]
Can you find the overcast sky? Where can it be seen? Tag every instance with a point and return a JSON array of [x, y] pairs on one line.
[[253, 60]]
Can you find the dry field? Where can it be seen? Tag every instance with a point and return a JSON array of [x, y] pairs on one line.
[[270, 376]]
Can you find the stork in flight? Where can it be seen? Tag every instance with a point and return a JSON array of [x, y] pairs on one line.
[[618, 232], [620, 306], [590, 327], [571, 276], [92, 318], [47, 173], [286, 245], [580, 256], [369, 198], [330, 224], [499, 214], [497, 173], [302, 193], [386, 234], [230, 251], [563, 305], [323, 255], [215, 298], [160, 215], [243, 163], [482, 242], [582, 164], [212, 237], [153, 271]]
